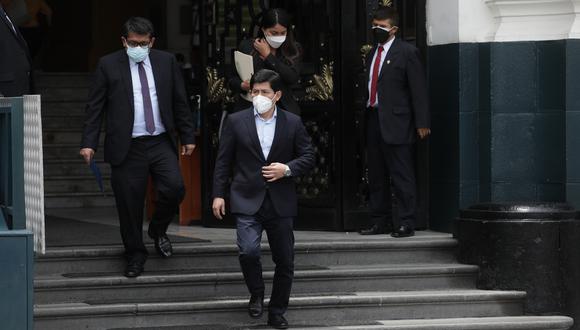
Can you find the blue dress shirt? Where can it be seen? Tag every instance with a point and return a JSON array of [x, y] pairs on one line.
[[266, 130]]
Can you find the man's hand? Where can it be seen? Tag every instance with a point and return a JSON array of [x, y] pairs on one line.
[[245, 85], [273, 171], [219, 208], [262, 47], [187, 150], [423, 132], [87, 154]]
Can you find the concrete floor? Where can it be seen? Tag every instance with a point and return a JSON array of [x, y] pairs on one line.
[[108, 216]]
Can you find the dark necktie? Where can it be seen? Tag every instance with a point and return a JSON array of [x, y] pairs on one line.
[[147, 107], [3, 13], [375, 77]]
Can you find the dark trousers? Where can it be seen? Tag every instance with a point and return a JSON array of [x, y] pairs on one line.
[[281, 239], [389, 165], [147, 156]]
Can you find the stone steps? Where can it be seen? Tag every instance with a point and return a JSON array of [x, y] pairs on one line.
[[65, 136], [180, 284], [76, 200], [75, 184], [62, 79], [72, 167], [63, 108], [480, 323], [66, 121], [60, 151], [200, 256], [64, 93], [304, 310]]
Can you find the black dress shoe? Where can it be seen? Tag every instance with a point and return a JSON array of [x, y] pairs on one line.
[[133, 269], [403, 231], [375, 230], [277, 321], [162, 244], [256, 306]]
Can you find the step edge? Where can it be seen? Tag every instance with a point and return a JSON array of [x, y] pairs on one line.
[[424, 298], [304, 247], [305, 275]]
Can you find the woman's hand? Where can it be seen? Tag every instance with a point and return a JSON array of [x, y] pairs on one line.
[[245, 85], [262, 47]]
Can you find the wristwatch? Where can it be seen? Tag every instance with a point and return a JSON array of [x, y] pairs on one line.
[[287, 171]]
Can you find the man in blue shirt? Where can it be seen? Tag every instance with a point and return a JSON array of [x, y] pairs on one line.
[[266, 147]]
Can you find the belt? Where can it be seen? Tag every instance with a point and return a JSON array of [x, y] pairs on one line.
[[149, 137], [373, 108]]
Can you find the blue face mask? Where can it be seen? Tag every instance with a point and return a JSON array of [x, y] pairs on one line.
[[138, 54]]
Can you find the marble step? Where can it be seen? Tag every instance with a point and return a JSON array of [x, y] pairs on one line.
[[62, 79], [468, 323], [66, 121], [63, 108], [64, 93], [64, 151], [210, 256], [72, 167], [75, 184], [339, 309], [76, 200], [64, 136], [72, 288]]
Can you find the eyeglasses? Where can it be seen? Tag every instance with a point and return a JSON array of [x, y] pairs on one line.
[[255, 92], [132, 43]]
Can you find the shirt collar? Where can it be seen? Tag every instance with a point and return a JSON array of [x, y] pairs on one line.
[[257, 115]]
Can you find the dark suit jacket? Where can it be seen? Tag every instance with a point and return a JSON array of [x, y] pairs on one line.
[[403, 100], [288, 72], [240, 150], [111, 97], [14, 61]]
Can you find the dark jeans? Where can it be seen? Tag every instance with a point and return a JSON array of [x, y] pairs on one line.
[[390, 165], [281, 239], [147, 156]]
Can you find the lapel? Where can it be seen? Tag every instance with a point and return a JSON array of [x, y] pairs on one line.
[[253, 133], [155, 67], [279, 134], [16, 35], [391, 55], [369, 63], [125, 70]]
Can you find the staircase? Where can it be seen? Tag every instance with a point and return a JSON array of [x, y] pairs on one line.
[[68, 180], [344, 283]]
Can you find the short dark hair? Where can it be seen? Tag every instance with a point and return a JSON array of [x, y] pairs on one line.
[[387, 13], [138, 25], [266, 75]]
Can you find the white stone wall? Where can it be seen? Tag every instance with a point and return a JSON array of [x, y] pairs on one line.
[[469, 21]]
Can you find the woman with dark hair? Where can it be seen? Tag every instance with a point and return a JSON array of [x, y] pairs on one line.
[[276, 49]]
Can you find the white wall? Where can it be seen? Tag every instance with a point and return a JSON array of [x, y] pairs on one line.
[[467, 21]]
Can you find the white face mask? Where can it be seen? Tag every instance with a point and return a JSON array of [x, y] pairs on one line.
[[275, 41], [262, 104], [138, 54]]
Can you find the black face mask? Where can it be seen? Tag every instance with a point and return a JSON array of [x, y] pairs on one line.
[[380, 36]]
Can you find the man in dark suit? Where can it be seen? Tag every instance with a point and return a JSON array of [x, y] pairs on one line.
[[397, 112], [140, 93], [14, 59], [266, 147]]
